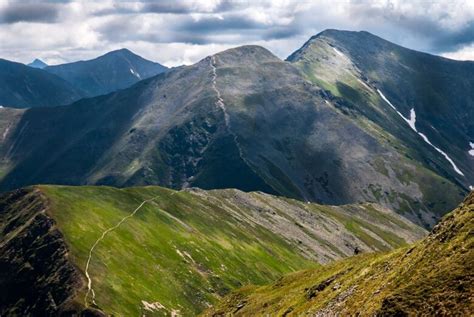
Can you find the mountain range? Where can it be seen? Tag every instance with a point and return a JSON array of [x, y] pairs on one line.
[[113, 71], [40, 85], [243, 184], [245, 119]]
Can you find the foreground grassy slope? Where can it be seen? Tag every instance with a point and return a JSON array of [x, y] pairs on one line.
[[180, 252], [432, 277]]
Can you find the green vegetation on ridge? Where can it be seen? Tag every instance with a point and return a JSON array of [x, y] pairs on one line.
[[180, 252], [432, 277], [143, 259]]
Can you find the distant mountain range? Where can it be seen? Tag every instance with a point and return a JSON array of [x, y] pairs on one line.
[[112, 71], [40, 85], [316, 128]]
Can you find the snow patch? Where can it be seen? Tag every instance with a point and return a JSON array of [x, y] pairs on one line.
[[412, 119], [411, 122], [135, 74], [471, 151], [446, 156], [471, 187], [338, 52], [1, 107], [5, 133]]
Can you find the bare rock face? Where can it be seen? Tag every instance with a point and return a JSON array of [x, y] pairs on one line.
[[36, 275]]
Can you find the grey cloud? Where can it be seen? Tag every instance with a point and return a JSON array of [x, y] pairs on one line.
[[124, 29], [186, 6], [388, 21], [454, 40], [424, 26], [219, 25], [167, 7], [204, 31], [29, 12]]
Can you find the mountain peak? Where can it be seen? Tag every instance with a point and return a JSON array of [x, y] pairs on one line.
[[123, 52], [37, 63], [247, 52], [114, 70]]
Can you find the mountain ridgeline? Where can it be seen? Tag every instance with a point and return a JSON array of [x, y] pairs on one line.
[[319, 127], [40, 85], [396, 88]]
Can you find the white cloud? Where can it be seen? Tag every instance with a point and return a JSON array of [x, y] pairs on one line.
[[466, 53]]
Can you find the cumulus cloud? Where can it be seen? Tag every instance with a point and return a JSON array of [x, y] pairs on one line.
[[29, 12], [184, 31]]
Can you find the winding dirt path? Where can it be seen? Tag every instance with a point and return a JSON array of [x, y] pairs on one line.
[[90, 290]]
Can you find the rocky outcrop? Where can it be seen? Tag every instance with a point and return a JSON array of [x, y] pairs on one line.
[[36, 274]]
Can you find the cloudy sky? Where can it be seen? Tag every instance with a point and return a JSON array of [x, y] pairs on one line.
[[177, 32]]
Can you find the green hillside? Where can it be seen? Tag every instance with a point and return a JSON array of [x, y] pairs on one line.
[[432, 277], [181, 251]]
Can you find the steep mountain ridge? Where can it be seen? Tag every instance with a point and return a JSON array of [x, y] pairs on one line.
[[421, 99], [107, 73], [151, 250], [239, 119], [432, 277]]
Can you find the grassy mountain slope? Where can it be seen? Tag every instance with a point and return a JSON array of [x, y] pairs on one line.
[[432, 277], [271, 130], [24, 87], [112, 71], [182, 251], [435, 90]]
